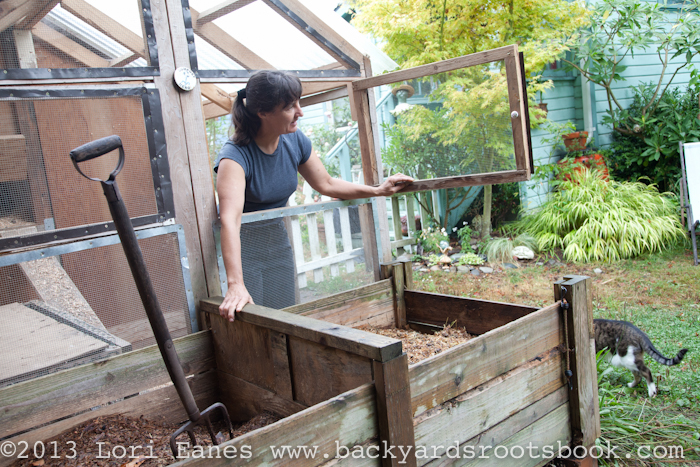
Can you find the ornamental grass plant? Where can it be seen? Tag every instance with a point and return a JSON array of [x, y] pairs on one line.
[[591, 219]]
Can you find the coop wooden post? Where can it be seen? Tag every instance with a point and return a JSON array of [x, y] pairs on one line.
[[408, 274], [395, 420], [395, 271], [583, 398]]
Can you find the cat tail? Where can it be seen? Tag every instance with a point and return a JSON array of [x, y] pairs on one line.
[[656, 355]]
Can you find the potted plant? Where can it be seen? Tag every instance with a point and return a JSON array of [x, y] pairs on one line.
[[575, 141], [543, 107]]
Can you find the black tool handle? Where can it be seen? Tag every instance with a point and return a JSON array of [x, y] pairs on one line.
[[96, 148]]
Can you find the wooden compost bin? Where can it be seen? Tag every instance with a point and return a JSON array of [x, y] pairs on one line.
[[343, 390]]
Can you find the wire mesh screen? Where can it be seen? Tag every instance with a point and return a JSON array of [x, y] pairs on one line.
[[455, 123], [300, 258], [74, 34], [72, 307], [39, 187]]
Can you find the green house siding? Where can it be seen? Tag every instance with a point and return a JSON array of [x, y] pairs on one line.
[[643, 68], [565, 103]]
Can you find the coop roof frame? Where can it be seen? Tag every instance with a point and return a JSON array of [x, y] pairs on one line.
[[15, 74], [517, 97], [158, 157], [82, 245], [292, 11]]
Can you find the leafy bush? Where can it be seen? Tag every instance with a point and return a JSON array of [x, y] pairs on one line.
[[430, 239], [595, 220], [470, 259], [500, 250], [653, 151], [464, 234]]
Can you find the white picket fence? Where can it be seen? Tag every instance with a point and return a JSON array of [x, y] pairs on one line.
[[333, 257], [339, 248]]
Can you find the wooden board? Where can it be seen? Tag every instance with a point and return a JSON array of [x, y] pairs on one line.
[[320, 372], [245, 351], [477, 316], [499, 433], [437, 67], [332, 335], [552, 430], [32, 403], [485, 406], [369, 304], [346, 420], [139, 333], [41, 200], [176, 123], [32, 342], [13, 158], [393, 410], [205, 213], [585, 418], [444, 376], [244, 400]]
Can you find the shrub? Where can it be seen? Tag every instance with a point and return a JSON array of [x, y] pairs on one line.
[[470, 259], [500, 250], [431, 239], [653, 152], [464, 234], [594, 220]]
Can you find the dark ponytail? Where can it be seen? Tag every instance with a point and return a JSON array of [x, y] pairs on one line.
[[264, 92]]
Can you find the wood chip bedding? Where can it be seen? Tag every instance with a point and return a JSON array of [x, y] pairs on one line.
[[100, 442]]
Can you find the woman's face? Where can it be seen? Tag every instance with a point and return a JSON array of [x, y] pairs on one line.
[[283, 119]]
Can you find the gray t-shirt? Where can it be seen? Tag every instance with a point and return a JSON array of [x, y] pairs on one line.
[[270, 178]]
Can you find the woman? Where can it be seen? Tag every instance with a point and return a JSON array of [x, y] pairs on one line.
[[257, 170]]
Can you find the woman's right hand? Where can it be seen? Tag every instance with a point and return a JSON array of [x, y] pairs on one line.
[[236, 298]]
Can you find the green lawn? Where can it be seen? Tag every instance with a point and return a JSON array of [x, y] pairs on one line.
[[660, 294]]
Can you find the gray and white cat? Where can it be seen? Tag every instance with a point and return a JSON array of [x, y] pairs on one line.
[[626, 344]]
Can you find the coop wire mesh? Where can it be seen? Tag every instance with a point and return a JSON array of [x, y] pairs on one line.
[[67, 305], [298, 258]]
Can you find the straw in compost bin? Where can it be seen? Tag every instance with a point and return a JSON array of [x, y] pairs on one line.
[[419, 346]]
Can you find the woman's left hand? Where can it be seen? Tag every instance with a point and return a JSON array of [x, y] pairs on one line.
[[393, 184]]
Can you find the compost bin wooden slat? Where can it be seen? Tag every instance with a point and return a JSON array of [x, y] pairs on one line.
[[320, 372], [245, 400], [32, 403], [160, 405], [498, 434], [370, 304], [332, 335], [483, 407], [547, 431], [476, 316], [393, 399], [468, 365], [348, 419], [244, 350], [584, 400]]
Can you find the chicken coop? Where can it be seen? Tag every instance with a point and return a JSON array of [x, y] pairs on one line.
[[74, 334]]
